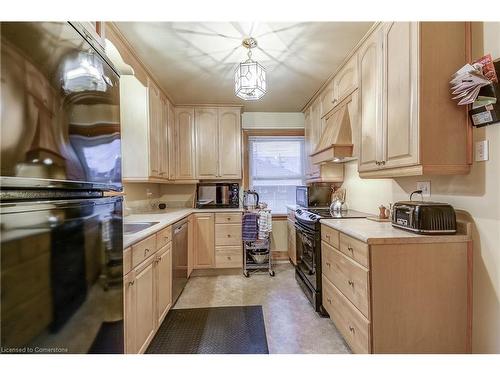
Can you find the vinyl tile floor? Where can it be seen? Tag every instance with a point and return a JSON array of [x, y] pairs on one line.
[[292, 325]]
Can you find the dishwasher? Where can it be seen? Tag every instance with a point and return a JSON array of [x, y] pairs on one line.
[[179, 258]]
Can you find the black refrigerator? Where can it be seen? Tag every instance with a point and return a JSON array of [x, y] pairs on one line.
[[60, 214]]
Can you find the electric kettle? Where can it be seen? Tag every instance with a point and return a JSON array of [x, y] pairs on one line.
[[250, 199]]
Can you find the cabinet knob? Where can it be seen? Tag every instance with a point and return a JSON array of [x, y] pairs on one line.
[[146, 251], [228, 236], [130, 283], [228, 219], [329, 301], [350, 249], [351, 283], [351, 328], [328, 264], [229, 258]]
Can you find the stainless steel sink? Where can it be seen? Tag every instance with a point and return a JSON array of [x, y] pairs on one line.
[[131, 228]]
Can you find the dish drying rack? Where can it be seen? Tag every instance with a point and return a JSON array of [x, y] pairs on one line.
[[260, 247]]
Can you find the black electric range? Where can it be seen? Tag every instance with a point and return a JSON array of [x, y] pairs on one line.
[[308, 240]]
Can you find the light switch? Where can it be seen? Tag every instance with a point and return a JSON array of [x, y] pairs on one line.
[[481, 153]]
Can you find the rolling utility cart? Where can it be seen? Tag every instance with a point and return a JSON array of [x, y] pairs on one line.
[[257, 242]]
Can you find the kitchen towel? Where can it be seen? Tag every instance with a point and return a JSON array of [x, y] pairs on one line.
[[249, 226]]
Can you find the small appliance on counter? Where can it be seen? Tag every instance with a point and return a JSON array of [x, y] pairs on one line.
[[313, 196], [250, 200], [424, 217], [217, 195]]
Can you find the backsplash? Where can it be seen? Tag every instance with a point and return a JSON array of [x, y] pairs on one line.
[[145, 197]]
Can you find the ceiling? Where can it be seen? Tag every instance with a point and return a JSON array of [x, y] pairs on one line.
[[195, 61]]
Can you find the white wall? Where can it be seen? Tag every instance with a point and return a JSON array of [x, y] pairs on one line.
[[272, 120], [478, 195]]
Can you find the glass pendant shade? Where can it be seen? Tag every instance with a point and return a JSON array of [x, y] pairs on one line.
[[250, 80]]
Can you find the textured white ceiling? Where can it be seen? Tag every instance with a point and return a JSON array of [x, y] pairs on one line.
[[195, 61]]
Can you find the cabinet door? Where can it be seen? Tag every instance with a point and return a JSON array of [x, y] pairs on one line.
[[346, 80], [154, 129], [326, 98], [163, 281], [130, 316], [204, 242], [172, 154], [400, 125], [164, 144], [205, 120], [184, 142], [307, 142], [144, 306], [229, 143], [316, 129], [370, 96]]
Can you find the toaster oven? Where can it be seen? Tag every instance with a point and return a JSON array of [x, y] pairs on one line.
[[424, 217]]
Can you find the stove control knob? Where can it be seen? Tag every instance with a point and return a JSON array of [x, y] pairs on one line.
[[312, 216]]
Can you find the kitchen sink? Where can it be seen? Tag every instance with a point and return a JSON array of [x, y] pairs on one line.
[[131, 228]]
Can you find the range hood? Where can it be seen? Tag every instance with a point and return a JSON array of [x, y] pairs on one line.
[[335, 144]]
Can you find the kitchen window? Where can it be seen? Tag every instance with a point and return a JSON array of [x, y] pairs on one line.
[[275, 168]]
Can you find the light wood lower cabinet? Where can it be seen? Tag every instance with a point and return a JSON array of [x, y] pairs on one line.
[[292, 243], [204, 240], [398, 297], [147, 292], [163, 279]]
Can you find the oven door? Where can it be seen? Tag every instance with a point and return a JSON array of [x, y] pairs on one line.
[[306, 253], [62, 276]]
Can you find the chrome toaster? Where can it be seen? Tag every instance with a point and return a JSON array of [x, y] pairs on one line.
[[424, 217]]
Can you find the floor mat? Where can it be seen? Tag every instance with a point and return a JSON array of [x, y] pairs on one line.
[[214, 330], [109, 339]]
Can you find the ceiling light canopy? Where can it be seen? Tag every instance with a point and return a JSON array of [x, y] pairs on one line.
[[250, 76]]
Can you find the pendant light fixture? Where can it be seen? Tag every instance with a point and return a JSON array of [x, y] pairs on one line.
[[250, 76]]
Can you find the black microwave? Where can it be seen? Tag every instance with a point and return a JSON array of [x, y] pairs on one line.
[[313, 196], [218, 195]]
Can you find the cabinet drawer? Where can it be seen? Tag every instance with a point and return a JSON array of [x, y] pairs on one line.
[[163, 237], [349, 277], [353, 326], [330, 236], [143, 250], [354, 249], [228, 257], [227, 234], [228, 218], [127, 260]]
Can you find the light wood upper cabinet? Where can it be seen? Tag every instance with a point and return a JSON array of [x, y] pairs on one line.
[[315, 134], [307, 142], [172, 154], [184, 134], [163, 282], [218, 142], [154, 129], [400, 116], [164, 144], [405, 121], [327, 98], [229, 143], [207, 136], [370, 87], [346, 80], [204, 240]]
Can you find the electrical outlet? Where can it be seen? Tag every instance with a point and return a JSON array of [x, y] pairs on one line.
[[425, 186], [481, 153]]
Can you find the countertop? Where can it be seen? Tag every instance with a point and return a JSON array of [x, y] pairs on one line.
[[165, 218], [373, 232]]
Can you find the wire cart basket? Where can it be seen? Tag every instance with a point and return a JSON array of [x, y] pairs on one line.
[[257, 254]]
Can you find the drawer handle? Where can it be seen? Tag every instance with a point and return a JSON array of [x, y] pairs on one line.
[[130, 283], [351, 283], [328, 264], [146, 251], [229, 258], [228, 218], [329, 301], [350, 249], [351, 328]]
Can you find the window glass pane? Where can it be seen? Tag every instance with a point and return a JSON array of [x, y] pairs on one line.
[[276, 167]]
